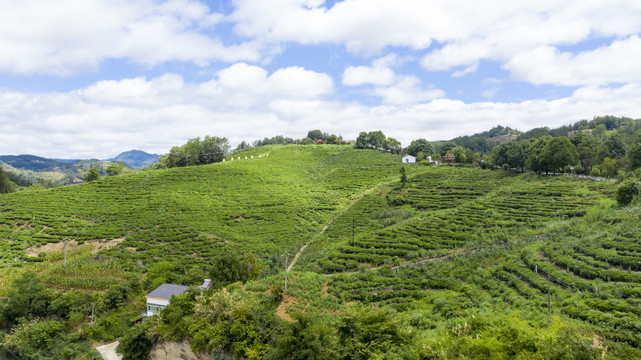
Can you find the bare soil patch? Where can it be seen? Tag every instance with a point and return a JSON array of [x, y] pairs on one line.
[[98, 244], [281, 311]]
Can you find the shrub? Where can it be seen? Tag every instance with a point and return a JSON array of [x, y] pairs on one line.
[[628, 191]]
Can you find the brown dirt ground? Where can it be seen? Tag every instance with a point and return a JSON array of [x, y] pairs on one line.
[[281, 311], [98, 244]]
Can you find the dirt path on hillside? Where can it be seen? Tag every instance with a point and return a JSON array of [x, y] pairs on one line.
[[291, 265]]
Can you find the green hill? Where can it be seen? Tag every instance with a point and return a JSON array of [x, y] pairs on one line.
[[453, 264], [268, 204]]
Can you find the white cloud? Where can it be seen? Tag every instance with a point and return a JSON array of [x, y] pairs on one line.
[[616, 63], [154, 114], [70, 36], [490, 93], [390, 87], [361, 75], [406, 90], [380, 73]]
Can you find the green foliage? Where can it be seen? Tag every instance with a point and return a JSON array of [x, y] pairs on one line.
[[47, 339], [228, 268], [6, 185], [536, 160], [498, 336], [307, 338], [628, 191], [116, 296], [28, 299], [136, 342], [446, 148], [371, 332], [403, 176], [315, 135], [634, 154], [588, 147], [92, 174], [197, 152], [115, 168], [420, 145], [609, 167], [558, 153], [188, 215], [613, 147], [232, 322], [376, 140], [513, 153]]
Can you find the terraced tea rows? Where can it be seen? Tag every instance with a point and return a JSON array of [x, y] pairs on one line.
[[263, 205], [590, 262], [445, 209]]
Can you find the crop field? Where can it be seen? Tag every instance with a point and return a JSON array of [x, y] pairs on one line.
[[452, 246], [268, 204], [444, 209], [592, 262]]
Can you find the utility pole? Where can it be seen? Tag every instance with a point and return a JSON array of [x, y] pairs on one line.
[[65, 240], [285, 272], [549, 304], [353, 232]]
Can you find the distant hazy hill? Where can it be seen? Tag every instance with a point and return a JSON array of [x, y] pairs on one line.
[[35, 163], [136, 158], [32, 168]]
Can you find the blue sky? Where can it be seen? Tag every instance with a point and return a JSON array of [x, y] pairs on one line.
[[93, 78]]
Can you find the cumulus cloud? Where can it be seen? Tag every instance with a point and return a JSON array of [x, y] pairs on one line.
[[71, 36], [616, 63], [155, 114], [390, 87], [111, 116]]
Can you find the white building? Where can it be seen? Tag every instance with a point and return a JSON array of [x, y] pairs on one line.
[[159, 298], [409, 159]]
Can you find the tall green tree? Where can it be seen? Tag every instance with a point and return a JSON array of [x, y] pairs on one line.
[[559, 152], [420, 145], [92, 174], [6, 186], [376, 139], [315, 135], [588, 148], [392, 145], [195, 151], [634, 154], [28, 298], [513, 153], [535, 160], [362, 141], [445, 148], [613, 147], [115, 168]]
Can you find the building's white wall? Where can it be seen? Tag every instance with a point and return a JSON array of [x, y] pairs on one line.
[[409, 159], [154, 306]]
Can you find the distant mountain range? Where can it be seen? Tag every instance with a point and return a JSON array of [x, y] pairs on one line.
[[63, 171], [136, 158]]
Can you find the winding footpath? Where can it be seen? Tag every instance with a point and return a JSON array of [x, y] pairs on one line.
[[295, 259]]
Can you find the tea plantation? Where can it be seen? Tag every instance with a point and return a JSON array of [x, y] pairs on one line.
[[459, 262], [269, 202]]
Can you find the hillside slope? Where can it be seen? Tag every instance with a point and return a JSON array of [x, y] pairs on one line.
[[270, 201]]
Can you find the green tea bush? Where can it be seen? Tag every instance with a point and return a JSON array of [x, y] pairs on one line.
[[628, 191]]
